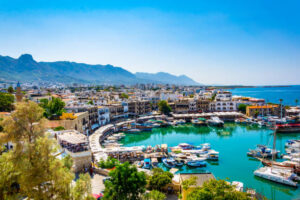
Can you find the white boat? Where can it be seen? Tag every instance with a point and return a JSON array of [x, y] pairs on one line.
[[239, 186], [215, 121], [276, 175]]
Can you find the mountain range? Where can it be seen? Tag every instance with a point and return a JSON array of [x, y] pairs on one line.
[[26, 69]]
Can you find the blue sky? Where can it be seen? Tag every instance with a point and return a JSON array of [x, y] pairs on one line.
[[253, 42]]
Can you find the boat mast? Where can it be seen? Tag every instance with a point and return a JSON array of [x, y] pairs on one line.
[[274, 146]]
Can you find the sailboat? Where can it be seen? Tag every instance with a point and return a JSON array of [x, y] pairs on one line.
[[276, 174]]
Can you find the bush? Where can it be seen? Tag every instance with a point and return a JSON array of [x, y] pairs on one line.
[[59, 128], [109, 163]]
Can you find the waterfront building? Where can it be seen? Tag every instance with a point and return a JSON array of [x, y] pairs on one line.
[[76, 145], [274, 110], [139, 107], [103, 115], [203, 105]]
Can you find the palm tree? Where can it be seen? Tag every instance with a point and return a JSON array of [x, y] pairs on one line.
[[297, 101], [280, 100]]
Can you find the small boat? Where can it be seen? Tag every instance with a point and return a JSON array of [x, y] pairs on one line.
[[262, 152], [277, 175], [212, 155], [239, 186], [199, 122], [179, 162], [134, 130], [185, 146], [154, 162], [169, 162], [147, 163], [196, 162], [215, 121]]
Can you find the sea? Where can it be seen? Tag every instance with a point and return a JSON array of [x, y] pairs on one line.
[[289, 94]]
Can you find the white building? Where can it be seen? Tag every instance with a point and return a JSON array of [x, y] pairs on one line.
[[103, 115]]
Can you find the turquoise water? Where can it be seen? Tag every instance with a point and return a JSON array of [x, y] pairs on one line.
[[233, 142], [288, 94]]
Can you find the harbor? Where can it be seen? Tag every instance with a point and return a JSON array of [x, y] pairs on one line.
[[233, 141]]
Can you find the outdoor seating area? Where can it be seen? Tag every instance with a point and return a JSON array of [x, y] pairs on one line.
[[73, 141]]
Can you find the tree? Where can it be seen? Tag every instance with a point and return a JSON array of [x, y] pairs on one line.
[[297, 101], [109, 163], [242, 108], [125, 183], [124, 96], [53, 108], [154, 195], [90, 102], [164, 107], [6, 102], [31, 169], [10, 89], [82, 188], [216, 189], [159, 179]]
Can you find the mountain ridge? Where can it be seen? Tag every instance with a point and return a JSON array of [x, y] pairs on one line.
[[25, 68]]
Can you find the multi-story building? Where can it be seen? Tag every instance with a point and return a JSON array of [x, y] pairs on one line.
[[203, 105], [103, 115], [223, 106], [181, 106], [139, 107], [93, 122], [254, 111], [117, 111]]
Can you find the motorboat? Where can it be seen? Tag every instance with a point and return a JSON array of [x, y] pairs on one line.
[[133, 130], [199, 122], [215, 121], [262, 152], [277, 175], [179, 162], [154, 162], [194, 161], [212, 155], [169, 162]]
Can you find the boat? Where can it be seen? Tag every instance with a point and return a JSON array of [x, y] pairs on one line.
[[179, 162], [169, 162], [292, 144], [199, 122], [262, 152], [133, 130], [212, 155], [194, 161], [294, 166], [154, 162], [147, 163], [144, 127], [185, 146], [239, 186], [290, 125], [215, 121], [276, 175], [279, 175]]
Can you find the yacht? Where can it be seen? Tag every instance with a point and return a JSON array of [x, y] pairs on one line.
[[215, 121], [277, 175]]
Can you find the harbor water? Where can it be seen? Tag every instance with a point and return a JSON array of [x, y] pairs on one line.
[[233, 142]]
